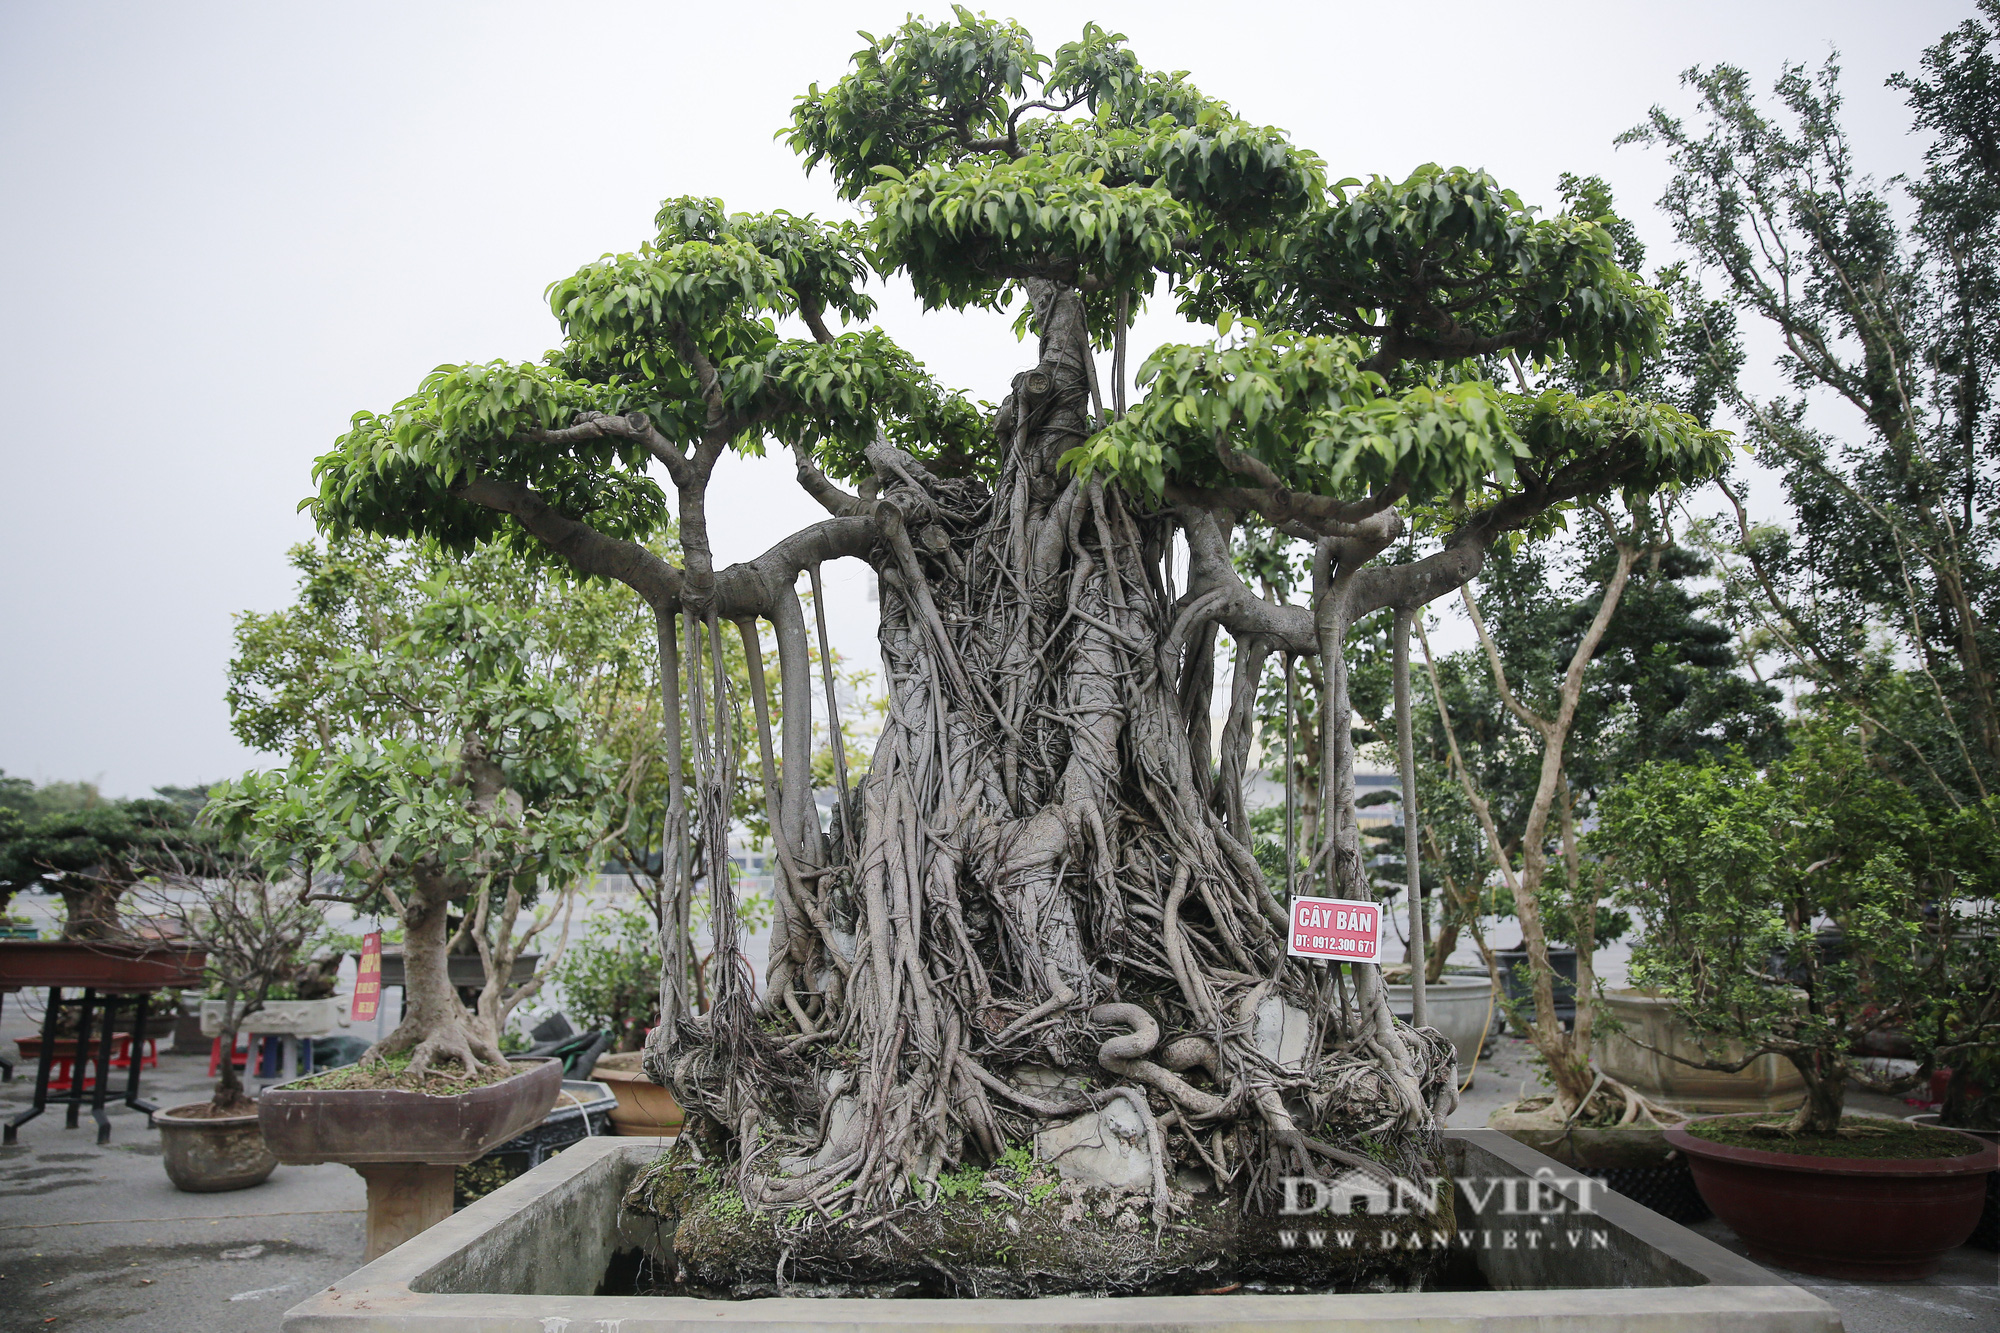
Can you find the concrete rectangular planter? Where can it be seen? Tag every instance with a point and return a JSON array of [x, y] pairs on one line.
[[529, 1256]]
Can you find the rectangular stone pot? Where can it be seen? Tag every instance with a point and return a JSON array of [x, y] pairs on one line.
[[1768, 1083], [529, 1257], [387, 1125], [279, 1018], [464, 970]]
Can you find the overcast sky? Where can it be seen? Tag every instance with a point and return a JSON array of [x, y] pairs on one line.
[[226, 228]]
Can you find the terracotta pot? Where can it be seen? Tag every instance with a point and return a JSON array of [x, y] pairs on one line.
[[645, 1109], [104, 964], [209, 1154], [1843, 1217], [1768, 1083], [1987, 1234], [370, 1125]]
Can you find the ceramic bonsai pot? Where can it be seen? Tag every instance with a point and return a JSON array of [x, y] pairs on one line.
[[465, 970], [1462, 1008], [1768, 1083], [1987, 1234], [645, 1109], [406, 1145], [1519, 979], [124, 965], [306, 1125], [205, 1155], [1843, 1217]]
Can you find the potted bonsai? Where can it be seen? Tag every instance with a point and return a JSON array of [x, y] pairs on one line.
[[1735, 873], [91, 858], [253, 931], [464, 803]]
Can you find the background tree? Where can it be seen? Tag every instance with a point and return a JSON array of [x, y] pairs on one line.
[[91, 856], [443, 772], [1033, 870], [1882, 296], [254, 932]]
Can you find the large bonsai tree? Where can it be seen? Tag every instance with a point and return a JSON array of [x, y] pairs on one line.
[[1040, 867], [93, 856]]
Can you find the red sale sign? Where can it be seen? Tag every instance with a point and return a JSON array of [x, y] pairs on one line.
[[1337, 928], [368, 980]]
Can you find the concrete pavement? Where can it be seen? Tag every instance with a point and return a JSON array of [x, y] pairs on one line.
[[96, 1238]]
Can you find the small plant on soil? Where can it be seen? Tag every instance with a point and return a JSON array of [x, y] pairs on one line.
[[1855, 1136], [1802, 909]]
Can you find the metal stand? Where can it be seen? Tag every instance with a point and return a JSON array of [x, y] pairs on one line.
[[105, 1008]]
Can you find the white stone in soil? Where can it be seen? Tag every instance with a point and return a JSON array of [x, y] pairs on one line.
[[1283, 1032], [1108, 1147]]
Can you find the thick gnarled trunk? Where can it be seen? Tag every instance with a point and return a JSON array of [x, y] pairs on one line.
[[1041, 878]]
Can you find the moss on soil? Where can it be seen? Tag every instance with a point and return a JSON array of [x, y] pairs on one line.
[[393, 1072], [1858, 1137], [1018, 1230]]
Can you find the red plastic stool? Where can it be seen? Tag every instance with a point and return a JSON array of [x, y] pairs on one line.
[[149, 1054], [241, 1055]]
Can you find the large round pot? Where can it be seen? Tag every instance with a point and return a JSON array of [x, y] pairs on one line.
[[1768, 1083], [1843, 1217], [645, 1109], [212, 1153], [365, 1125], [1987, 1234], [1460, 1007]]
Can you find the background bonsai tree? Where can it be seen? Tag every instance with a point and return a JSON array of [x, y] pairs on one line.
[[1801, 909], [94, 855], [441, 773], [1880, 295], [1040, 867], [256, 933], [610, 979]]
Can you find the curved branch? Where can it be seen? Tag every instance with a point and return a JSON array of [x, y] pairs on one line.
[[747, 588]]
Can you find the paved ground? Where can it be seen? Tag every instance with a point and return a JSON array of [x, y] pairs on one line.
[[97, 1239], [1964, 1296]]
